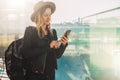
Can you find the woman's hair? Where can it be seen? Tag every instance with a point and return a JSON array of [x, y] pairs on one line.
[[39, 24]]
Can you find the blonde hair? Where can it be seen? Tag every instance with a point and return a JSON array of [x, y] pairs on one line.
[[39, 24]]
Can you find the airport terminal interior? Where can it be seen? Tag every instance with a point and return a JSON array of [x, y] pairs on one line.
[[93, 52]]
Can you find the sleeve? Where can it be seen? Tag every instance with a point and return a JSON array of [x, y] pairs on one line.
[[33, 46], [59, 52]]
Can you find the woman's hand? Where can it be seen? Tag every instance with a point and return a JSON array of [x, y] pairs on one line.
[[64, 40], [54, 44]]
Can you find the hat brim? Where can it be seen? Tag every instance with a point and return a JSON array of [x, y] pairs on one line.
[[50, 4]]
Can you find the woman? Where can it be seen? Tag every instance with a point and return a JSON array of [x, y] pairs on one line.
[[40, 46]]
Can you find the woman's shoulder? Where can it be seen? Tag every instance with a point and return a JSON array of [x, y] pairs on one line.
[[30, 30], [54, 31], [31, 27]]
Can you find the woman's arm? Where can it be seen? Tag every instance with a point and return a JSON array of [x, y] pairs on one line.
[[59, 51]]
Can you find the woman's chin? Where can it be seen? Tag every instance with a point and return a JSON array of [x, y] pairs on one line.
[[47, 23]]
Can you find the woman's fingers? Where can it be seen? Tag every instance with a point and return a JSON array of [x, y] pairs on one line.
[[64, 40], [54, 44]]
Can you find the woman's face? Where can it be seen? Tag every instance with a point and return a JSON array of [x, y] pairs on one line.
[[47, 16]]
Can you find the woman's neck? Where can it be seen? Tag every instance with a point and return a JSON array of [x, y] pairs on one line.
[[44, 28]]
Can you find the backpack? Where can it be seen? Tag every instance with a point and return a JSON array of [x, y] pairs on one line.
[[14, 61]]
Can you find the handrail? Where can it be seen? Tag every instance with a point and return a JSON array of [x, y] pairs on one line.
[[101, 12]]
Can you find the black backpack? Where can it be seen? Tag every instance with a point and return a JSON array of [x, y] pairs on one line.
[[14, 61]]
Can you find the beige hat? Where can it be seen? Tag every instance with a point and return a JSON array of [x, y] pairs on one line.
[[40, 6]]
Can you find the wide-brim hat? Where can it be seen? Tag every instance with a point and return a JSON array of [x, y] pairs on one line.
[[40, 6]]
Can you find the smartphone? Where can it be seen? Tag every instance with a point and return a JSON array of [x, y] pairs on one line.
[[67, 33]]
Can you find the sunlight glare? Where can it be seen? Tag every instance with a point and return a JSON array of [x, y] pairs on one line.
[[16, 4]]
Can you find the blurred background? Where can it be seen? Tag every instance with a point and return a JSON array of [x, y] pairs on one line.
[[94, 46]]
